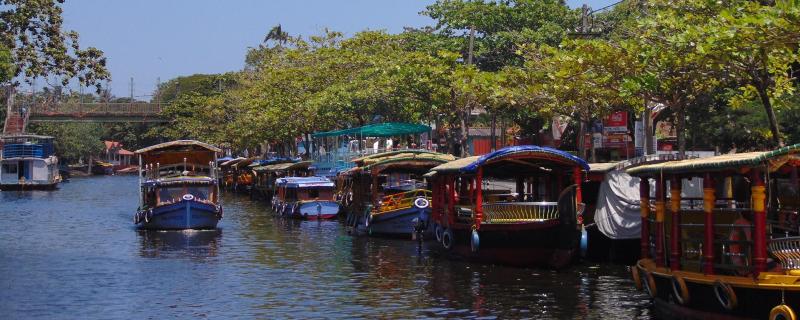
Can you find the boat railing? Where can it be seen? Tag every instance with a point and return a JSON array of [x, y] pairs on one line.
[[158, 171], [402, 200], [787, 250], [514, 212]]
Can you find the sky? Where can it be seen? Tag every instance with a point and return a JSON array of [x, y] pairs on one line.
[[151, 39]]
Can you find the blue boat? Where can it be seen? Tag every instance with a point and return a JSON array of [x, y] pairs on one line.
[[388, 195], [178, 186]]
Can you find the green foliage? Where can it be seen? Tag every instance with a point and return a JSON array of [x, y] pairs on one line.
[[73, 141], [40, 48], [6, 65]]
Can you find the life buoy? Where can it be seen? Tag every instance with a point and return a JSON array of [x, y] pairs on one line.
[[447, 239], [637, 277], [650, 284], [421, 203], [725, 295], [680, 290], [437, 231], [782, 312]]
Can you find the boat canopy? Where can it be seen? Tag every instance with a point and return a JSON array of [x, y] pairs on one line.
[[232, 162], [180, 180], [516, 159], [378, 130], [404, 161], [304, 182], [774, 159], [285, 166], [175, 152]]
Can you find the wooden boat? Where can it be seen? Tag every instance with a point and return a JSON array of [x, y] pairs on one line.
[[28, 162], [735, 252], [309, 198], [178, 186], [388, 194], [611, 220], [269, 171], [334, 151], [477, 216]]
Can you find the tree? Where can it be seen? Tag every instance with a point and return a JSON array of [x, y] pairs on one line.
[[755, 45], [39, 48], [583, 79]]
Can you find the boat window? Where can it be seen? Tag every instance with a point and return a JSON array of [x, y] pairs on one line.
[[199, 191], [313, 193], [10, 168], [170, 194]]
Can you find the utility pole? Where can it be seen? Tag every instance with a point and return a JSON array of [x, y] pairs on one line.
[[467, 110], [131, 90], [158, 91]]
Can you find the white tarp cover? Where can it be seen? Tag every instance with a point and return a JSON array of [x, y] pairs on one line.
[[617, 214]]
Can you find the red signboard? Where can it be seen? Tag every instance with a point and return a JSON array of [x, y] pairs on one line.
[[616, 122]]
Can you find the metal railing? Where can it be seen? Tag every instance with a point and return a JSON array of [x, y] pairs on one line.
[[403, 200], [512, 212], [787, 250]]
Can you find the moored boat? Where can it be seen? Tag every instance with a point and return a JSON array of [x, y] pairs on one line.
[[388, 194], [309, 198], [735, 252], [28, 162], [269, 171], [178, 186], [477, 216]]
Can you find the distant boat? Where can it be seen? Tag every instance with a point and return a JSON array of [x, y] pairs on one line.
[[178, 186], [308, 198], [28, 162]]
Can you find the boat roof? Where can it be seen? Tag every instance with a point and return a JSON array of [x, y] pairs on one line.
[[406, 161], [378, 130], [516, 154], [735, 161], [304, 182], [180, 145], [25, 136], [284, 166], [179, 151], [232, 162], [179, 180]]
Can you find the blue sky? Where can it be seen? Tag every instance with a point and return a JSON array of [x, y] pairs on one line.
[[148, 39]]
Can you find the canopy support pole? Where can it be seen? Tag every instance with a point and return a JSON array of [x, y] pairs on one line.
[[708, 207], [759, 222], [659, 222], [675, 237], [644, 204], [478, 198]]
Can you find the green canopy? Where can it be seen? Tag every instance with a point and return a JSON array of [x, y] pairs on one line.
[[378, 130]]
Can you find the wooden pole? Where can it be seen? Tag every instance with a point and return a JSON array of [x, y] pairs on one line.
[[675, 237], [659, 222], [758, 194], [478, 198], [708, 207], [644, 203]]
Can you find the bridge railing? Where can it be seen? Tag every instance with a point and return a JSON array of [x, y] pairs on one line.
[[94, 109]]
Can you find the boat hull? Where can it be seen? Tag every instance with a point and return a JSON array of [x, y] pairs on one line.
[[752, 301], [29, 186], [548, 244], [398, 223], [185, 214], [309, 210]]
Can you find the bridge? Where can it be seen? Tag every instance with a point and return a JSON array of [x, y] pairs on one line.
[[19, 115]]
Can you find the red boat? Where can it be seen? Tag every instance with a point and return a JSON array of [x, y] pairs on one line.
[[476, 215]]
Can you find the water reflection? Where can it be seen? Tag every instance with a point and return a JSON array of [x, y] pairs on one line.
[[194, 244]]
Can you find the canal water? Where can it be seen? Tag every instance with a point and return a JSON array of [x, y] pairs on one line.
[[74, 253]]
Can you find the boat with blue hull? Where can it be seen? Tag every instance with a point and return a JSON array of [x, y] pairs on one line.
[[388, 195], [308, 198], [178, 186]]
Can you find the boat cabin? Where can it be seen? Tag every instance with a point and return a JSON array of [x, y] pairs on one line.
[[28, 161]]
